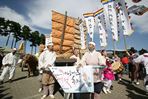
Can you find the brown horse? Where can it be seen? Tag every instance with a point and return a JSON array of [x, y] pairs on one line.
[[31, 62]]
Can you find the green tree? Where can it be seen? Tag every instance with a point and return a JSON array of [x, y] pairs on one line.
[[34, 39], [2, 23], [25, 34], [7, 30], [42, 39], [17, 32]]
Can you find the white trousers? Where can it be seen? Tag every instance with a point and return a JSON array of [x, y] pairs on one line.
[[6, 70], [48, 89], [108, 83]]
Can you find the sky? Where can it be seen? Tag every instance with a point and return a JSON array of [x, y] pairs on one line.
[[37, 15]]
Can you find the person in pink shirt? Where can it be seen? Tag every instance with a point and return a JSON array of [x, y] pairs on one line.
[[108, 77]]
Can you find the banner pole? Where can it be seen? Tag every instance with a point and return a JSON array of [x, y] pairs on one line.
[[114, 47], [125, 44]]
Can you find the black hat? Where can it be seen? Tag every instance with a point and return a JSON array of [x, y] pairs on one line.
[[142, 51], [133, 50]]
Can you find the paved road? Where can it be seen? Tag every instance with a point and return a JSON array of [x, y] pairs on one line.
[[27, 88]]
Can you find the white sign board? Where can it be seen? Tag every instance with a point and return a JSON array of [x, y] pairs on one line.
[[73, 80]]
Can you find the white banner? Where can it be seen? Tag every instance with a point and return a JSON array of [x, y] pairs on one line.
[[113, 19], [125, 21], [74, 81], [100, 19], [90, 24], [110, 11], [82, 35]]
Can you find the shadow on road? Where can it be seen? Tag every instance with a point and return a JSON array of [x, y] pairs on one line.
[[140, 94], [3, 94], [20, 78], [132, 95], [10, 97]]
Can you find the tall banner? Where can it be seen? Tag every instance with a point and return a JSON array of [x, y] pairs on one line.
[[125, 21], [110, 10], [73, 80], [90, 24], [48, 39], [82, 36], [100, 19]]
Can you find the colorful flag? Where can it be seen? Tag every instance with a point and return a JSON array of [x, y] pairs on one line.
[[90, 24], [138, 10]]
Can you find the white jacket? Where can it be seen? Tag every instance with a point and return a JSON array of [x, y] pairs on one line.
[[9, 59], [143, 59], [46, 59]]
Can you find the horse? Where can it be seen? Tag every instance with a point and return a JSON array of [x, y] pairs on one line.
[[31, 62]]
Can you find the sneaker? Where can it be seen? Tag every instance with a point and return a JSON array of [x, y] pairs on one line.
[[137, 83], [44, 96], [104, 90], [108, 91], [120, 79], [10, 81], [40, 89], [51, 96]]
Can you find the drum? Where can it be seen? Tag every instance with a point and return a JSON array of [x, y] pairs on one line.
[[117, 67]]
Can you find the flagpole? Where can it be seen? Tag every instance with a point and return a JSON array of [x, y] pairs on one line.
[[125, 44], [114, 47], [63, 33]]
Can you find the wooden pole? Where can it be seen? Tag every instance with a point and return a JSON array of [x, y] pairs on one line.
[[63, 33], [114, 47], [125, 44]]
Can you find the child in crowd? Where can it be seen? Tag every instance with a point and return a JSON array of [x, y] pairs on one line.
[[108, 77]]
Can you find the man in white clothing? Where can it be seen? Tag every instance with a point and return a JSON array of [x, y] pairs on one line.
[[46, 60], [9, 63], [41, 49], [94, 58], [144, 60]]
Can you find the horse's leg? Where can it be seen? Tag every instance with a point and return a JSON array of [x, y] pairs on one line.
[[22, 65], [29, 70], [34, 70]]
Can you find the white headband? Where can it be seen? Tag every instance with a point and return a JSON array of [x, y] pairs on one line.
[[92, 43]]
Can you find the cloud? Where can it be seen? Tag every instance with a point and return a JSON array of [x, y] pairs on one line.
[[139, 21], [40, 12], [11, 14]]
